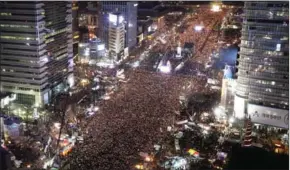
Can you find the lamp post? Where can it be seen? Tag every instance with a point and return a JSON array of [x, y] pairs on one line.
[[63, 112]]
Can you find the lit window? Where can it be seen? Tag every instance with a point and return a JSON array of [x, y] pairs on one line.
[[278, 47], [281, 14], [273, 83], [5, 14], [284, 38], [267, 37]]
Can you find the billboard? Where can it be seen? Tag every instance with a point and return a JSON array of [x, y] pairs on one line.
[[239, 107], [269, 116]]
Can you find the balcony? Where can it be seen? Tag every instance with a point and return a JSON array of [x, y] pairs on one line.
[[25, 69], [21, 63], [23, 17], [15, 57], [24, 85], [14, 5], [23, 80], [31, 53], [26, 75]]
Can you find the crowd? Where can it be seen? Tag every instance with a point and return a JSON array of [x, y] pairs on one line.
[[205, 41], [137, 116], [132, 121]]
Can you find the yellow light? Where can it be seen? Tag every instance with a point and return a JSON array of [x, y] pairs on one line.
[[76, 36], [148, 159], [139, 166], [191, 151], [215, 8]]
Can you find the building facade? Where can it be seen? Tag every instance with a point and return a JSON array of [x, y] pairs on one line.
[[75, 26], [116, 36], [263, 65], [126, 9], [36, 49]]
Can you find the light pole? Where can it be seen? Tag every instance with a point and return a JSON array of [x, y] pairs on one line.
[[63, 111]]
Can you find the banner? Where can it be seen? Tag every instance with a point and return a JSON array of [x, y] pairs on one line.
[[269, 116]]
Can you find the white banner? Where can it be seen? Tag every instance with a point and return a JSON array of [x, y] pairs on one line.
[[269, 116]]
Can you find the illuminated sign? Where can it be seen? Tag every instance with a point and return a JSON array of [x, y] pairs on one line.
[[269, 116]]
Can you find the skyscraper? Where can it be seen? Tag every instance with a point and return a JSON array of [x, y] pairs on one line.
[[36, 49], [128, 10], [263, 66], [116, 35]]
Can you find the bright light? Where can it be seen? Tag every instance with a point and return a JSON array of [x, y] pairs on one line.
[[193, 152], [57, 125], [96, 88], [164, 69], [178, 50], [278, 47], [218, 112], [113, 18], [235, 27], [216, 8], [96, 109], [101, 47], [87, 52], [148, 159], [139, 166], [71, 80], [149, 29], [135, 5], [239, 107], [121, 19], [45, 59], [232, 120], [198, 28], [106, 97], [205, 114], [84, 81]]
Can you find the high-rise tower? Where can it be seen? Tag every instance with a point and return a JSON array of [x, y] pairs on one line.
[[36, 49], [128, 10], [263, 66]]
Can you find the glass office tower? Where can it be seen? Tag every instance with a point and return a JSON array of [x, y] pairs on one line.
[[36, 49], [263, 66]]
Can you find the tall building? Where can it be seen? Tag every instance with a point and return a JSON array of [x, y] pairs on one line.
[[75, 26], [128, 10], [263, 66], [116, 36], [36, 49]]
